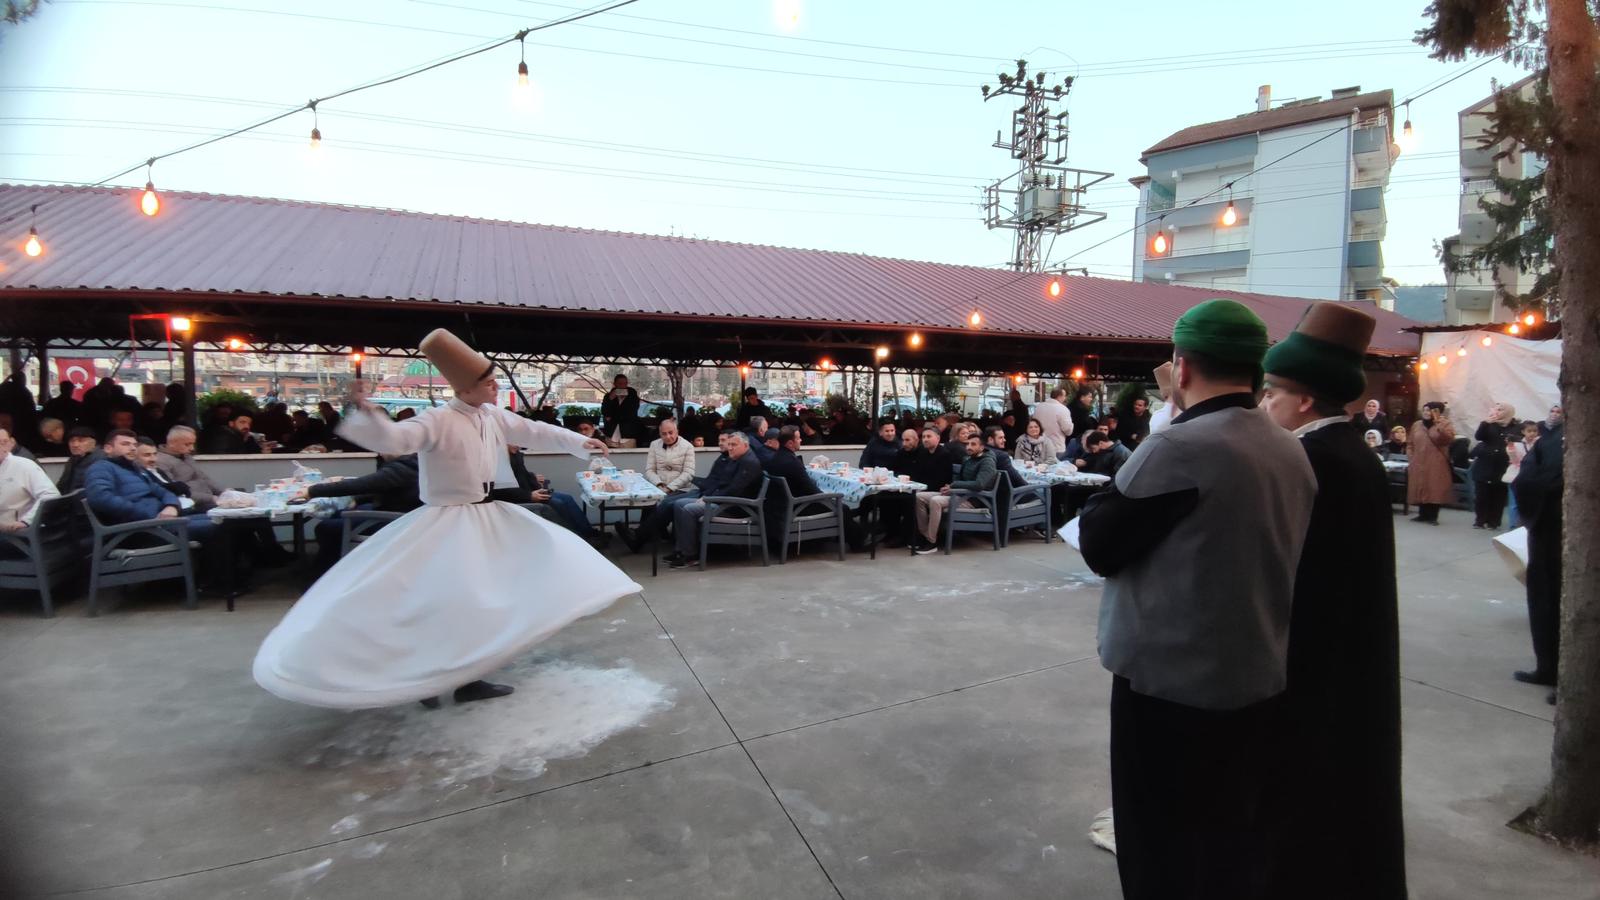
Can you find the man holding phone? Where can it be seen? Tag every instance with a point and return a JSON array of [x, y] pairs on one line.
[[619, 413]]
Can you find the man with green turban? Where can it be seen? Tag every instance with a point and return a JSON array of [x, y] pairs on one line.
[[1198, 541], [1337, 800]]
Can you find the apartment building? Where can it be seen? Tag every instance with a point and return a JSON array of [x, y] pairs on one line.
[[1470, 296], [1308, 223]]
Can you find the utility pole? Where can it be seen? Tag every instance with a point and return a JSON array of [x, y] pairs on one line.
[[1043, 196]]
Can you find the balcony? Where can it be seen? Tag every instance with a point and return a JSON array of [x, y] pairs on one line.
[[1365, 259], [1371, 147], [1476, 225]]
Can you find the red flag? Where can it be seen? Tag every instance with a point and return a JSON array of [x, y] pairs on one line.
[[78, 371]]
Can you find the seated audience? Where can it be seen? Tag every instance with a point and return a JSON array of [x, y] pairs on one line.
[[977, 473], [1031, 446], [995, 440], [176, 458], [756, 436], [882, 449], [1100, 456], [394, 487], [119, 490], [23, 486], [736, 474], [234, 437], [669, 463], [52, 438], [1397, 443], [534, 488], [84, 448]]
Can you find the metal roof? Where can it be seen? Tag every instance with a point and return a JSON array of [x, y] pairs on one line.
[[98, 241], [1273, 119]]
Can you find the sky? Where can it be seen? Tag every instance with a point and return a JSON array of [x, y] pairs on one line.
[[854, 126]]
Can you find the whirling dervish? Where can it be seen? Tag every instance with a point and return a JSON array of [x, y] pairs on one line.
[[441, 597]]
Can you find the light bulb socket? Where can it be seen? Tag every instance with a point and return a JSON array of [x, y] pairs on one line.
[[522, 69], [316, 135]]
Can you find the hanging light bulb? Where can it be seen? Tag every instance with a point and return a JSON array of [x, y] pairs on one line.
[[1230, 216], [1408, 135], [975, 319], [1487, 341], [1444, 360], [1077, 374], [316, 131], [149, 201], [826, 364], [1423, 365], [1160, 245], [1055, 287], [1462, 352], [1514, 329], [181, 324], [915, 340], [1530, 320], [1016, 379], [33, 246], [882, 353], [235, 344]]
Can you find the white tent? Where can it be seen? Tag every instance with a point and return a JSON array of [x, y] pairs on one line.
[[1508, 370]]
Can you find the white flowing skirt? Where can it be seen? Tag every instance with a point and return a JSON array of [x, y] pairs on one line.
[[441, 596]]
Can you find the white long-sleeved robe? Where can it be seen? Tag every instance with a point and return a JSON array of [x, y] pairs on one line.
[[444, 595]]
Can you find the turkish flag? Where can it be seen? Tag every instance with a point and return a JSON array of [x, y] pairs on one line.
[[78, 371]]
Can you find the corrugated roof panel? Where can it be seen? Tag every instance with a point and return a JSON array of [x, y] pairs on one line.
[[97, 239]]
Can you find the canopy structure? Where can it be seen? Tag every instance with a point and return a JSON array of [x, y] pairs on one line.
[[1469, 376], [294, 275]]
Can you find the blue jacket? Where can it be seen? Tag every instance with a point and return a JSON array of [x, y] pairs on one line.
[[119, 491]]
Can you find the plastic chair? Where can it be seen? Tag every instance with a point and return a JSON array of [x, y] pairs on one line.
[[827, 522], [719, 528], [986, 515], [45, 552], [1027, 505], [165, 555], [360, 524]]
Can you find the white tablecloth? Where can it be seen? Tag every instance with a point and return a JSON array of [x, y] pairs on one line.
[[318, 507], [850, 486], [636, 491], [1063, 476]]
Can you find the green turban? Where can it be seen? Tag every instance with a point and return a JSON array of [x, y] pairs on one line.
[[1225, 330], [1331, 372]]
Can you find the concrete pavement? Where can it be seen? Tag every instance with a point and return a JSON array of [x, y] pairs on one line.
[[909, 727]]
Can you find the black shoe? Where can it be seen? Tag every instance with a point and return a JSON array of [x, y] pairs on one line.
[[680, 562], [925, 548], [481, 690], [598, 539], [1538, 678]]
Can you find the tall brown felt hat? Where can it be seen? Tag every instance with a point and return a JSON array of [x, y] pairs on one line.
[[460, 365], [1325, 351], [1163, 375]]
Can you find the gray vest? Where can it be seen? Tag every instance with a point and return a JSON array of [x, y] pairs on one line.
[[1203, 620]]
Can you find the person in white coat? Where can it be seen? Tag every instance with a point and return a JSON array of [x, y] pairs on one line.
[[1056, 420], [440, 597], [1161, 418]]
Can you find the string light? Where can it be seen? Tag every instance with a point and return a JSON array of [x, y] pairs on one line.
[[1077, 374], [1016, 379], [1230, 216], [1160, 244], [1408, 135], [1055, 287], [181, 324], [522, 66], [975, 319], [915, 340], [316, 132], [1462, 352], [882, 353], [1530, 320], [1444, 360], [33, 246], [1487, 341], [149, 201], [744, 371], [1514, 329], [235, 344], [1423, 365], [826, 364]]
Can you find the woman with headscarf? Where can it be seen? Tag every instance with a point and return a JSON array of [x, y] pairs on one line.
[[1489, 463], [1374, 441], [1428, 484]]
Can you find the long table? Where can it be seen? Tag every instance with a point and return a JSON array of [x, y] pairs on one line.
[[855, 486]]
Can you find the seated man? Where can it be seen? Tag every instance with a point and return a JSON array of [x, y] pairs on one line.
[[1100, 455], [85, 450], [564, 509], [23, 486], [786, 464], [977, 474], [669, 464], [235, 438], [882, 450], [119, 490], [52, 438], [176, 458], [392, 488], [660, 518], [756, 437], [995, 441], [736, 474]]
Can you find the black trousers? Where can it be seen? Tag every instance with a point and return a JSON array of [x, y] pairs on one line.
[[1489, 502], [1187, 788], [1544, 597], [1428, 512]]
